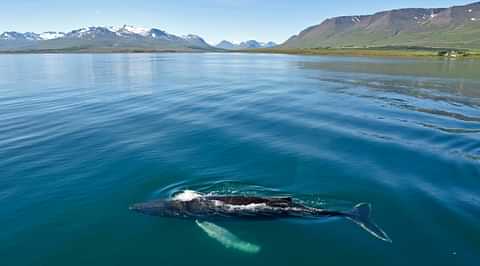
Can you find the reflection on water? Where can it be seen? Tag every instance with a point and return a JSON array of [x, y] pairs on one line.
[[445, 92], [424, 68], [445, 80]]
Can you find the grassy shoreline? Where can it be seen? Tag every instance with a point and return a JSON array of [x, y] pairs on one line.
[[369, 52], [375, 52]]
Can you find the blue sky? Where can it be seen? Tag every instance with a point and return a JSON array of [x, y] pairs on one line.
[[215, 20]]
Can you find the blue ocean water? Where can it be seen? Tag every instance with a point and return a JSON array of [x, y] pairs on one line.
[[84, 136]]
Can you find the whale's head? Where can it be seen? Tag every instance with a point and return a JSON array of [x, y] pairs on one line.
[[166, 208], [185, 204]]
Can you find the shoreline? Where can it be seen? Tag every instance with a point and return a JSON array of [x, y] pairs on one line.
[[448, 53]]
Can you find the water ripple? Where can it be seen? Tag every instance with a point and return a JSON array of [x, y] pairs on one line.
[[84, 136]]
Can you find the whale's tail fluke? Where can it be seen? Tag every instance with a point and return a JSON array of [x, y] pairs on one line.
[[361, 215]]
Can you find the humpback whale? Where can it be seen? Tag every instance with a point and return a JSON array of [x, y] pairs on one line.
[[195, 206]]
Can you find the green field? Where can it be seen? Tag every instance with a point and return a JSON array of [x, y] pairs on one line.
[[377, 51], [389, 51]]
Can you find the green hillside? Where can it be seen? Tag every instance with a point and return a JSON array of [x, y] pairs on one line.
[[455, 27]]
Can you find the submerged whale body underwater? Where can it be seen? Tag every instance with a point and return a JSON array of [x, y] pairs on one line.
[[208, 208]]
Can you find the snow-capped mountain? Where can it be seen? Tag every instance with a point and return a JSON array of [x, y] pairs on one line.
[[124, 32], [195, 39], [90, 33], [115, 38], [17, 36], [251, 44], [103, 37], [30, 36], [132, 30], [254, 44], [50, 35]]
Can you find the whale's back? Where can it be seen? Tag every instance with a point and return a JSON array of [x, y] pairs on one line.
[[247, 200]]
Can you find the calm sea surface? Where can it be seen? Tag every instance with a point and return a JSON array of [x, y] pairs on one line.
[[84, 136]]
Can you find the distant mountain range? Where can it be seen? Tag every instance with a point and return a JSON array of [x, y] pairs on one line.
[[102, 38], [114, 39], [455, 27], [251, 44]]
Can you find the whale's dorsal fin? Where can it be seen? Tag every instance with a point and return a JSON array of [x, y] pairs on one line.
[[226, 238]]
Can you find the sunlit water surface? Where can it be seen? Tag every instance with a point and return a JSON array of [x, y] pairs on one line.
[[84, 136]]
